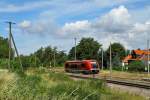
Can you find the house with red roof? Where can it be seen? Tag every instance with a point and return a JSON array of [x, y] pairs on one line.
[[137, 55]]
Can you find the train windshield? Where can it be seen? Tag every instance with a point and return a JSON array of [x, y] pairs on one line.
[[94, 65]]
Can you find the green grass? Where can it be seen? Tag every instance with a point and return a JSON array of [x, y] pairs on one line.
[[48, 85], [124, 75]]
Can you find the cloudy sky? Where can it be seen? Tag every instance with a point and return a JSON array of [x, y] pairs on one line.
[[57, 22]]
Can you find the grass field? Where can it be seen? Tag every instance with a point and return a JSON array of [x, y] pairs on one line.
[[41, 84], [124, 75], [115, 74]]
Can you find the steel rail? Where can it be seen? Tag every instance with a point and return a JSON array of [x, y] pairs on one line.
[[116, 81]]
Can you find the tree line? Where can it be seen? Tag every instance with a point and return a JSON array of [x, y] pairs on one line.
[[87, 48]]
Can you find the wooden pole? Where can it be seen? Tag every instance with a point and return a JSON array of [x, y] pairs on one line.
[[110, 61], [102, 58], [17, 52], [75, 56], [148, 55], [9, 39], [10, 47]]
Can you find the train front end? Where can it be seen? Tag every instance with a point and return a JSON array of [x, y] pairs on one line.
[[92, 66]]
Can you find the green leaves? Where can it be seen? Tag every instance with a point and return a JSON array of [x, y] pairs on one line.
[[87, 49], [118, 53], [4, 48], [136, 66]]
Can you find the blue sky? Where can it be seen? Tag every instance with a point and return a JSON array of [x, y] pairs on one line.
[[57, 22]]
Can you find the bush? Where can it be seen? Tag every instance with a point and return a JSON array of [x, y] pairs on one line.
[[3, 63], [118, 68], [136, 66]]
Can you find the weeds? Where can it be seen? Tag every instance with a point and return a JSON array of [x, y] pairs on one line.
[[56, 86]]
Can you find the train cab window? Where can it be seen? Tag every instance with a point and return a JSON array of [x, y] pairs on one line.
[[74, 66], [67, 65], [94, 65]]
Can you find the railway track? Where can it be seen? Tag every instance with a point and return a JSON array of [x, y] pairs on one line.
[[138, 84]]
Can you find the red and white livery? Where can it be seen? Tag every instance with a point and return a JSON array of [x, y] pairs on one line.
[[84, 66]]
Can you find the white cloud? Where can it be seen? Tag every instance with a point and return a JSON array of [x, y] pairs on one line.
[[116, 21], [141, 28], [4, 7], [140, 15], [41, 27], [76, 27], [25, 24], [114, 26], [79, 25]]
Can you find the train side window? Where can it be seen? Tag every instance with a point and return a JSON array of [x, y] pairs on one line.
[[83, 65], [67, 65], [73, 66]]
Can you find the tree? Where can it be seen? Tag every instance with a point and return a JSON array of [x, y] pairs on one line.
[[46, 56], [88, 48], [4, 48], [118, 53]]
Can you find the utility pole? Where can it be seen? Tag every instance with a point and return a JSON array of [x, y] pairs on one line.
[[148, 62], [102, 57], [12, 38], [17, 52], [9, 41], [55, 48], [54, 59], [110, 62], [35, 61], [75, 56], [43, 51]]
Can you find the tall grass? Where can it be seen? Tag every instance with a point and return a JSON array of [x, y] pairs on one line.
[[42, 85]]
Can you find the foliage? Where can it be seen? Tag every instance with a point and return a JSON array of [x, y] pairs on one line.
[[15, 65], [46, 56], [118, 53], [136, 66], [88, 48], [29, 61], [56, 86], [4, 48], [3, 63]]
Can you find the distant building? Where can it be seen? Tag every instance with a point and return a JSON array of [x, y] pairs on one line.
[[137, 55]]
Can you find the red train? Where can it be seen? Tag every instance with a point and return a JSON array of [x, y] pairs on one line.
[[84, 66]]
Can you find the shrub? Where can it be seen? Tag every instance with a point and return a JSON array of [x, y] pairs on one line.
[[118, 68], [136, 66], [3, 63]]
